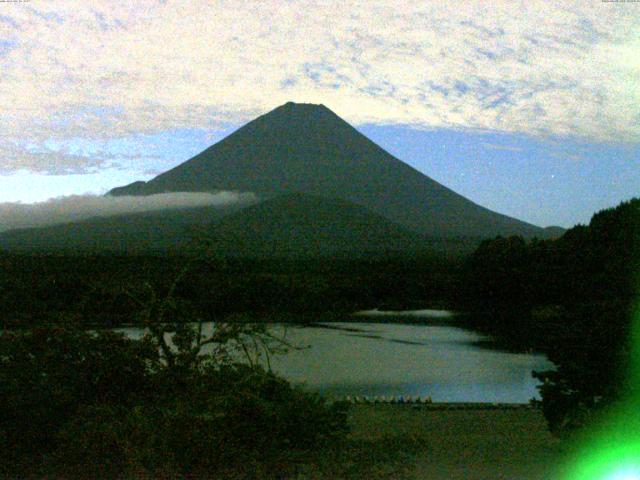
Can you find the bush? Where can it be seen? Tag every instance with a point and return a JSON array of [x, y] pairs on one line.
[[235, 421], [80, 404], [254, 419], [48, 374]]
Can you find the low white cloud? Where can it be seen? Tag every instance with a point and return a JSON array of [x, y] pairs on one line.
[[93, 69], [80, 207]]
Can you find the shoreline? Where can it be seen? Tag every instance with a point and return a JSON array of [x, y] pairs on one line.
[[420, 404]]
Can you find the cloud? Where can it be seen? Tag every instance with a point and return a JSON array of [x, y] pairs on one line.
[[36, 157], [109, 69], [79, 207], [506, 148], [574, 157]]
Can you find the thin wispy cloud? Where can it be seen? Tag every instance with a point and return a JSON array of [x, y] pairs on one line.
[[506, 148], [80, 207], [574, 157], [101, 70]]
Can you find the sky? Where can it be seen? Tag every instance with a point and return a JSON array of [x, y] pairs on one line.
[[528, 108]]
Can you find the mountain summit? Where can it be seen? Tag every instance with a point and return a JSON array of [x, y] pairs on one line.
[[308, 149]]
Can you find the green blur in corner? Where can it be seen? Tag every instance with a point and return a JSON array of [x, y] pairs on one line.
[[610, 449]]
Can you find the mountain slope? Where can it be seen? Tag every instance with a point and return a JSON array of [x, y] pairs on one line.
[[309, 149]]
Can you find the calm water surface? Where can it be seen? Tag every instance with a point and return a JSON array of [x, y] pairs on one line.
[[388, 359]]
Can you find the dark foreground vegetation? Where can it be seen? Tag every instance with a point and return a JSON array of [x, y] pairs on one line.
[[572, 298], [80, 405], [77, 403]]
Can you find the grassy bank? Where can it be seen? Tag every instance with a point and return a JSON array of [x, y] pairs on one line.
[[403, 442]]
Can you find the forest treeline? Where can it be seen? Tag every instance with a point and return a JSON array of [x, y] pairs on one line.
[[589, 264], [572, 298], [102, 290]]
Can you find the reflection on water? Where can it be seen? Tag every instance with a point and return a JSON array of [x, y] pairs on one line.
[[387, 359], [417, 360]]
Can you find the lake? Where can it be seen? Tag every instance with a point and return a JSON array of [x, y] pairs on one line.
[[371, 358]]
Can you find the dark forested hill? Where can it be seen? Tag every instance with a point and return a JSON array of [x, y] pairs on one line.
[[293, 226], [594, 263], [150, 232], [305, 225]]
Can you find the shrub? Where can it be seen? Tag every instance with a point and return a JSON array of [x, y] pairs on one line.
[[80, 404], [48, 374]]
